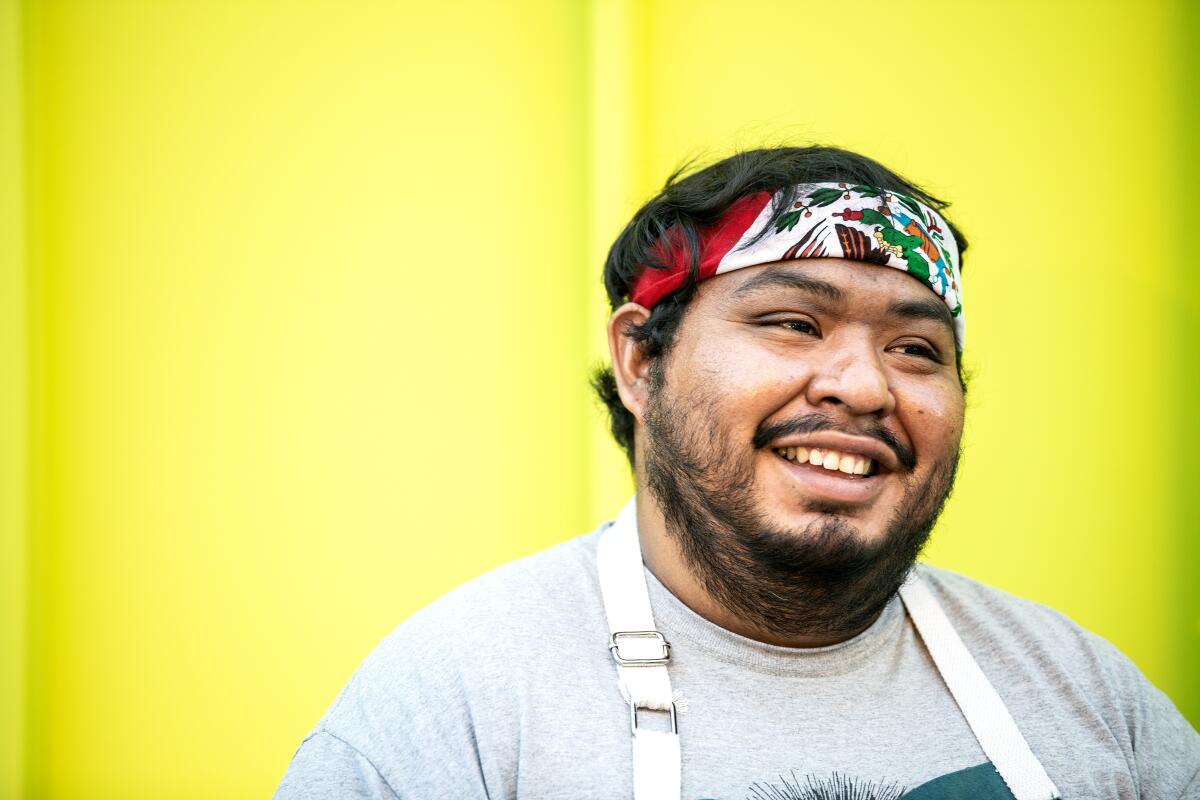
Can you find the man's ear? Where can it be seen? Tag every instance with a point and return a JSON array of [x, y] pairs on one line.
[[631, 367]]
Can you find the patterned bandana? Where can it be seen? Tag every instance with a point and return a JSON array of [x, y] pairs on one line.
[[827, 220]]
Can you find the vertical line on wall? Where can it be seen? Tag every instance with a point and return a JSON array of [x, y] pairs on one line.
[[1185, 421], [36, 772], [13, 407], [645, 178], [578, 32], [611, 161]]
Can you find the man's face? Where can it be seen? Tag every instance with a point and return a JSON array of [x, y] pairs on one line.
[[849, 364]]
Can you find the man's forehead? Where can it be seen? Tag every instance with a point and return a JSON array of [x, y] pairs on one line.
[[784, 276], [832, 278], [837, 281]]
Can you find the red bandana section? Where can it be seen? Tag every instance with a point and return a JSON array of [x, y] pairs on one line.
[[715, 242]]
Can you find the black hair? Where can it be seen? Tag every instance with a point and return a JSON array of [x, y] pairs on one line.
[[692, 200]]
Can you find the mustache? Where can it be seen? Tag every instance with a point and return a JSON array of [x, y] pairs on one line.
[[812, 423]]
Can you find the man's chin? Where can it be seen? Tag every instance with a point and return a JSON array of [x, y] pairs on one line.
[[818, 525], [810, 518]]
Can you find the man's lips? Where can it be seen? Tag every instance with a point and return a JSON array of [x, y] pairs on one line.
[[838, 451], [835, 467], [833, 460], [833, 485]]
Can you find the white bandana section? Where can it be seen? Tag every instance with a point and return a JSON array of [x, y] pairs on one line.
[[862, 223]]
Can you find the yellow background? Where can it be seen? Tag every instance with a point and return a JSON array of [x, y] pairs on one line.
[[299, 301]]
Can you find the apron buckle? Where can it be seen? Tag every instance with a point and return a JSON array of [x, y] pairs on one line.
[[633, 727], [640, 637]]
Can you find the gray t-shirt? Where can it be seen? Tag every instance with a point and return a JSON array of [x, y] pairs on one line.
[[505, 688]]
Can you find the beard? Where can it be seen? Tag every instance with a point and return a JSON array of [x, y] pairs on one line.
[[820, 580]]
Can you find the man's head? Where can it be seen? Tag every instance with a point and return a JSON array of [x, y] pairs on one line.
[[722, 389]]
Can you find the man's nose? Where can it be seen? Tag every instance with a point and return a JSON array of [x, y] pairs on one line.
[[851, 375]]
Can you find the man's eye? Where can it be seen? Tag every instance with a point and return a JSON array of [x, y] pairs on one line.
[[799, 325], [918, 350]]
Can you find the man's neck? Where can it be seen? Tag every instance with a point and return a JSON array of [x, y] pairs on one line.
[[665, 559]]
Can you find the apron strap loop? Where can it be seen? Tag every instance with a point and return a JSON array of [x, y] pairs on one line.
[[641, 654]]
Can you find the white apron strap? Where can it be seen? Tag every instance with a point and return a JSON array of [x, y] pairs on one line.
[[641, 654], [985, 712]]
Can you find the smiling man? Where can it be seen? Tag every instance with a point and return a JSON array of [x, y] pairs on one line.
[[786, 379]]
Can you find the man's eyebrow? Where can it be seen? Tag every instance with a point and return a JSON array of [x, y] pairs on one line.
[[925, 308], [790, 279]]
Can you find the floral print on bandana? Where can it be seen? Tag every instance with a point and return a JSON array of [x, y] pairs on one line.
[[861, 223]]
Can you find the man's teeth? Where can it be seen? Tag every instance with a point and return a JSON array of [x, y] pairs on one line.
[[833, 460]]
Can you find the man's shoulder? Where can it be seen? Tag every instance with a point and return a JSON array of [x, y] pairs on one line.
[[500, 617], [1029, 637], [535, 588], [446, 683], [1054, 674]]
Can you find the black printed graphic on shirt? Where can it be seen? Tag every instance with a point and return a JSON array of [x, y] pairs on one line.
[[980, 782], [835, 787]]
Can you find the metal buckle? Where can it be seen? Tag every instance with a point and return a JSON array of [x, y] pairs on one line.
[[614, 647], [633, 720]]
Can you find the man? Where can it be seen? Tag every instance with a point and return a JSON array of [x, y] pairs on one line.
[[786, 379]]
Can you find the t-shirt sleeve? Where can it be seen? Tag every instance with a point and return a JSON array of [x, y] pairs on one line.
[[326, 767], [1166, 749], [406, 724]]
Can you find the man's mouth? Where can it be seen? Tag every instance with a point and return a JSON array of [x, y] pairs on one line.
[[832, 460]]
